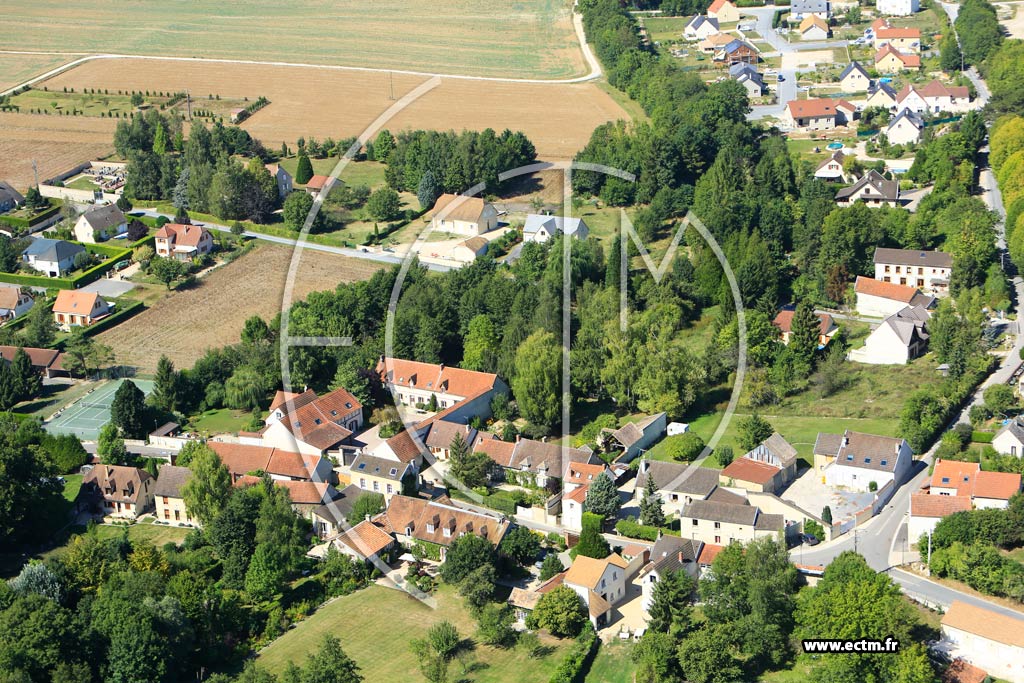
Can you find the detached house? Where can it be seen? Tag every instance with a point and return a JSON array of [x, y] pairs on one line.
[[316, 185], [1010, 439], [832, 167], [826, 330], [463, 215], [799, 9], [100, 223], [906, 128], [283, 179], [872, 189], [701, 27], [601, 584], [890, 60], [814, 27], [633, 438], [52, 258], [991, 640], [813, 114], [903, 39], [881, 298], [183, 242], [748, 76], [723, 11], [413, 383], [737, 51], [854, 460], [77, 308], [117, 491], [901, 337], [311, 424], [854, 78], [899, 8], [929, 271], [170, 504], [14, 301], [539, 228]]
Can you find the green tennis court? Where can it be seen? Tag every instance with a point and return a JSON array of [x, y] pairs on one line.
[[86, 416]]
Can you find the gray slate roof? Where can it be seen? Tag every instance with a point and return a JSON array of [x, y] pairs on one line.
[[775, 445], [851, 67], [700, 20], [170, 479], [914, 257], [337, 510], [910, 116], [45, 249], [672, 553], [721, 512], [908, 323], [378, 467], [553, 224], [103, 217], [700, 482], [809, 6], [856, 449], [888, 189]]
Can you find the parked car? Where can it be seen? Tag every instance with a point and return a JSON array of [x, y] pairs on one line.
[[780, 78], [811, 539]]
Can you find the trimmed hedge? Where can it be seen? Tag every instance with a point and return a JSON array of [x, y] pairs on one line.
[[35, 219], [632, 529], [126, 308], [576, 663], [982, 437], [36, 281]]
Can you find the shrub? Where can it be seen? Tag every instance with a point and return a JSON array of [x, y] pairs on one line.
[[684, 447], [630, 528]]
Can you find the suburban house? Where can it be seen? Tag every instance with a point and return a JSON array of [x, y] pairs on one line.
[[14, 301], [1010, 439], [890, 60], [284, 180], [880, 299], [279, 465], [669, 554], [832, 167], [929, 271], [78, 308], [414, 383], [826, 330], [715, 42], [575, 483], [898, 8], [799, 9], [47, 362], [854, 78], [767, 468], [117, 491], [990, 640], [540, 463], [939, 97], [854, 460], [737, 51], [812, 114], [311, 424], [926, 511], [633, 438], [845, 112], [906, 128], [901, 337], [724, 11], [10, 198], [463, 215], [813, 27], [903, 39], [100, 223], [316, 185], [541, 228], [387, 477], [434, 524], [872, 189], [183, 242], [700, 27], [724, 523], [470, 249], [365, 541], [880, 95], [170, 505], [600, 583], [331, 517], [52, 258], [677, 485], [952, 478], [748, 76]]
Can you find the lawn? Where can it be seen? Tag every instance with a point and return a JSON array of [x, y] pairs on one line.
[[536, 37], [59, 103], [665, 28], [220, 421], [141, 532], [363, 619], [612, 664]]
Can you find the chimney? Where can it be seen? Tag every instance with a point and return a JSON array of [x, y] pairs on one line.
[[467, 428], [366, 517], [442, 367], [544, 439], [519, 437], [846, 441], [897, 448]]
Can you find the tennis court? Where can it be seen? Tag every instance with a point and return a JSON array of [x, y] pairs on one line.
[[85, 417]]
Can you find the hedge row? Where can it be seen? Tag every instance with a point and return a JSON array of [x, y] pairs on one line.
[[574, 666], [36, 281], [25, 223], [632, 529], [126, 308]]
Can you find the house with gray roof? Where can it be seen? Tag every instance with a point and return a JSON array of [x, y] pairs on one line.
[[700, 27], [52, 258], [170, 502], [873, 189], [748, 76], [906, 128], [854, 78], [100, 223], [677, 484], [331, 517], [855, 461], [541, 228], [723, 523], [1010, 439], [881, 95], [669, 554], [901, 337], [634, 438], [799, 9], [10, 198]]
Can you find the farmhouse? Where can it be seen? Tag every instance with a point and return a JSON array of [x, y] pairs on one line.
[[669, 554], [10, 198], [747, 76], [901, 337], [813, 114], [899, 8], [827, 329], [880, 298], [832, 167], [724, 523], [814, 27], [601, 584], [1010, 439], [170, 505], [855, 460], [435, 524], [986, 639], [14, 301], [539, 228], [52, 258], [100, 223], [905, 128], [872, 189], [183, 242], [724, 11], [463, 215], [854, 78], [77, 308], [414, 383], [927, 270], [677, 484], [952, 478], [890, 60], [283, 179], [117, 491], [701, 27]]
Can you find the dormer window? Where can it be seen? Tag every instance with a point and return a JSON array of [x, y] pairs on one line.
[[867, 461], [394, 471], [884, 463], [945, 480], [849, 458]]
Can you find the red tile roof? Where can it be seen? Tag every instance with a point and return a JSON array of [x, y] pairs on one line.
[[996, 485], [404, 446], [910, 60], [926, 505], [962, 672], [185, 235], [954, 474], [40, 358], [583, 473], [317, 182], [578, 494], [366, 538], [994, 626], [242, 458], [745, 469], [893, 33], [708, 553], [497, 450], [718, 5], [784, 321], [434, 378], [75, 302], [813, 108], [885, 290]]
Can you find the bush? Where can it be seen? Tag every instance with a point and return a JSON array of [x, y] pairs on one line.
[[577, 658], [684, 447], [630, 528]]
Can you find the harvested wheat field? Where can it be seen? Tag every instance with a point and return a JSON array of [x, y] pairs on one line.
[[18, 68], [336, 103], [517, 38], [184, 324], [55, 143]]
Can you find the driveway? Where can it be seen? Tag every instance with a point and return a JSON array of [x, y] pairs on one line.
[[809, 493], [110, 287]]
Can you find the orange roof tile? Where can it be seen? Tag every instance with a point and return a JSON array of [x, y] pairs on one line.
[[784, 321], [926, 505], [75, 301], [985, 623], [497, 450], [366, 538], [962, 672], [954, 474], [435, 378], [745, 469], [708, 553], [996, 485], [718, 5], [813, 108], [886, 290], [583, 473], [587, 571]]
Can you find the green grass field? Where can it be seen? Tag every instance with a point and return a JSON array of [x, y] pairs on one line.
[[220, 421], [534, 38], [374, 618], [612, 664]]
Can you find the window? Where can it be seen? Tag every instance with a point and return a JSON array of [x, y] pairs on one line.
[[376, 486], [695, 522], [167, 514], [867, 461], [945, 480], [1013, 450], [390, 489], [362, 483], [887, 269], [394, 471], [849, 458], [177, 516], [602, 583], [884, 463], [718, 540], [718, 525]]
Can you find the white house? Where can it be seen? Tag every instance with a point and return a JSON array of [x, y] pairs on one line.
[[905, 128], [470, 249], [463, 215], [182, 242], [600, 583], [814, 27], [854, 78], [993, 641], [310, 424], [669, 554], [929, 271], [880, 95], [940, 97], [1010, 439], [575, 483], [677, 484], [799, 9], [722, 523], [14, 301], [911, 98], [285, 183], [854, 460], [927, 511], [880, 299], [539, 228], [812, 114], [52, 258], [956, 479], [100, 223], [872, 189], [413, 383], [701, 27], [901, 337], [748, 76], [832, 167], [898, 8]]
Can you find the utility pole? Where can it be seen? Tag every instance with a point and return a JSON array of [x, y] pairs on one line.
[[855, 540], [929, 552], [35, 172], [188, 104], [391, 86]]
